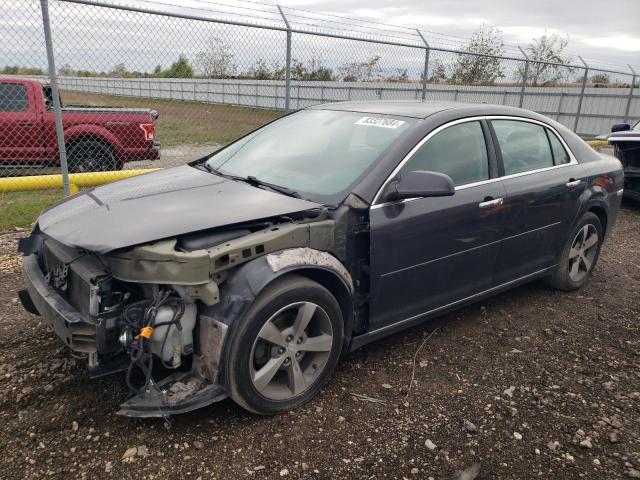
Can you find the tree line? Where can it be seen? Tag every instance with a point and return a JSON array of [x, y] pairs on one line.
[[478, 62]]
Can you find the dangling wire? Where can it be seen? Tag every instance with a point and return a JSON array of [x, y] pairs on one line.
[[140, 348]]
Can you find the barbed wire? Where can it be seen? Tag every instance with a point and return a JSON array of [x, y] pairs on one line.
[[266, 13]]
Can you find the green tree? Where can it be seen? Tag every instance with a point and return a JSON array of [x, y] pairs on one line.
[[181, 68], [11, 70], [313, 70], [120, 71], [478, 64]]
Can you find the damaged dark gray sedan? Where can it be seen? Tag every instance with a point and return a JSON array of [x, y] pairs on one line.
[[250, 272]]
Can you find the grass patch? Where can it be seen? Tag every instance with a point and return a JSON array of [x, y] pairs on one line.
[[183, 122], [20, 209]]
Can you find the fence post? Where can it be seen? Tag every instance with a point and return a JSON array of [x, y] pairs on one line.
[[425, 74], [633, 84], [57, 111], [525, 75], [287, 71], [584, 84]]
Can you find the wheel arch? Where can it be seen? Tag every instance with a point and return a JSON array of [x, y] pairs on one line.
[[80, 133], [330, 280], [600, 212], [244, 285]]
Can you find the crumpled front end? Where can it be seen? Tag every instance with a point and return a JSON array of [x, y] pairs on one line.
[[154, 310]]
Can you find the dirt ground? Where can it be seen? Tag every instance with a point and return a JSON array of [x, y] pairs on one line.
[[529, 384]]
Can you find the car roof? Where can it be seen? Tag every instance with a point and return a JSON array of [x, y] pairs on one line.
[[420, 109]]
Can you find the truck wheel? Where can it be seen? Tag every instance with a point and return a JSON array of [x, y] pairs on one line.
[[91, 156], [579, 256], [286, 346]]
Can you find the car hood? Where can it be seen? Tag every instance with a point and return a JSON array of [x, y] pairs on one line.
[[157, 205]]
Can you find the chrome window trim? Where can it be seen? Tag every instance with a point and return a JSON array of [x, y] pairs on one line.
[[573, 160]]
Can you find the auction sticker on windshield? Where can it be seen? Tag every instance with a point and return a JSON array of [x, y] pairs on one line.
[[379, 122]]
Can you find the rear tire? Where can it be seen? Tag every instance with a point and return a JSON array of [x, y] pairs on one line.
[[579, 256], [91, 156], [286, 346]]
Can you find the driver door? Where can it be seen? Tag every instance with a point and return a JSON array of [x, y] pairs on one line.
[[430, 253]]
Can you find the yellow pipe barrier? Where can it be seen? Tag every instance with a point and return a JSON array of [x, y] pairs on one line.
[[597, 144], [76, 180]]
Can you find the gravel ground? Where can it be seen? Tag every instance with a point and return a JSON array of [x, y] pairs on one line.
[[530, 384]]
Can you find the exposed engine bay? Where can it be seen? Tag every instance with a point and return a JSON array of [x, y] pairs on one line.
[[161, 311]]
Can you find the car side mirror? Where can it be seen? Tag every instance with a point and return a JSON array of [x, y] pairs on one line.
[[420, 183], [620, 127]]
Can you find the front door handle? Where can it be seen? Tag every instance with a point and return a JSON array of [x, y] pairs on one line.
[[571, 184], [25, 123], [488, 204]]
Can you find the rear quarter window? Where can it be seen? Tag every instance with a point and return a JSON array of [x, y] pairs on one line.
[[560, 155], [13, 97]]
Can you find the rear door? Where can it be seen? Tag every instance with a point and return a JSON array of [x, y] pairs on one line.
[[427, 253], [20, 131], [543, 183]]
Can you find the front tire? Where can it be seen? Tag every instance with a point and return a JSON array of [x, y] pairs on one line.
[[286, 346], [579, 256]]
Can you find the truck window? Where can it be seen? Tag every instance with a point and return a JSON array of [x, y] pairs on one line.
[[48, 97], [13, 97]]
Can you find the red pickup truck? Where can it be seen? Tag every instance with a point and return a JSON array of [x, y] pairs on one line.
[[97, 139]]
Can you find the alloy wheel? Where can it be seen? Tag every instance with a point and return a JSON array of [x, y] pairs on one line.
[[582, 255], [291, 351]]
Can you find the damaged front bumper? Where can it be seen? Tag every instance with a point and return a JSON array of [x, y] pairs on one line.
[[177, 393]]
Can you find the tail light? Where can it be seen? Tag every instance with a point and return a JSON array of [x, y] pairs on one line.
[[148, 129]]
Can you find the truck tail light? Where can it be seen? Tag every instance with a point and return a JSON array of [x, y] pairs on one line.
[[148, 129]]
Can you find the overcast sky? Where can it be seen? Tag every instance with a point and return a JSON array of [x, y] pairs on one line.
[[598, 29], [93, 38]]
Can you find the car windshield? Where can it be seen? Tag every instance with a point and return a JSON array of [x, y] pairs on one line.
[[637, 126], [319, 154]]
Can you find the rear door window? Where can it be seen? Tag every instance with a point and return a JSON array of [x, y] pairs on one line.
[[458, 151], [524, 146], [13, 97]]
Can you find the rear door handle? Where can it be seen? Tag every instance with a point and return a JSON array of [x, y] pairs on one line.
[[488, 204], [571, 184], [25, 123]]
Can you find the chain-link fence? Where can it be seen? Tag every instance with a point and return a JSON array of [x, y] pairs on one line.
[[148, 85]]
